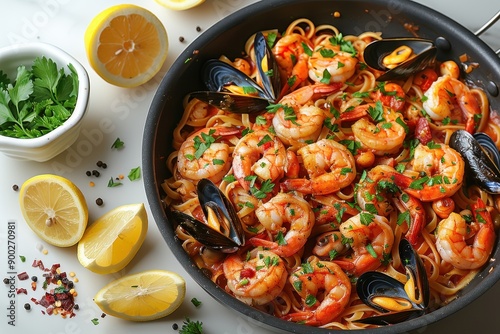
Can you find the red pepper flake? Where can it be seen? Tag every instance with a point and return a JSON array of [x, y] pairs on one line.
[[33, 286], [39, 264], [23, 276], [21, 290]]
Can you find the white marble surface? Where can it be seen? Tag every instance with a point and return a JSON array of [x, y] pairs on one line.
[[116, 112]]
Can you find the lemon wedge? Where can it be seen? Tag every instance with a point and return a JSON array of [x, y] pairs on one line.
[[180, 4], [54, 208], [126, 45], [143, 296], [113, 240]]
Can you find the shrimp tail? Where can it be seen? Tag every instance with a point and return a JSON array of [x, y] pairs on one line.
[[306, 317], [302, 185], [416, 227]]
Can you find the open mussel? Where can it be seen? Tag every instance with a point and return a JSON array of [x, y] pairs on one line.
[[399, 57], [481, 158], [232, 90], [224, 231], [397, 301]]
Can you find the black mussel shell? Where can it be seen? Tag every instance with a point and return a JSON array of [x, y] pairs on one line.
[[211, 196], [480, 169], [217, 74], [271, 79], [204, 233], [415, 267], [489, 146], [231, 235], [238, 104], [375, 52], [377, 284]]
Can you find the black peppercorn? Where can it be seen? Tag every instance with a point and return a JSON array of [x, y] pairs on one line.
[[27, 306], [99, 163], [15, 187], [104, 165], [181, 39], [96, 173], [198, 29], [6, 280], [175, 327], [76, 307], [34, 278], [70, 284], [88, 173], [99, 201]]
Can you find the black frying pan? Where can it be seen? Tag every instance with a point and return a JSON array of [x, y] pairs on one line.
[[229, 36]]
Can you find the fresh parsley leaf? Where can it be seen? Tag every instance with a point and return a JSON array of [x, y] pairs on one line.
[[191, 327], [134, 174], [112, 183], [117, 144], [195, 302]]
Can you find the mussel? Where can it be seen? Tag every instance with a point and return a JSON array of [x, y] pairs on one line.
[[481, 158], [224, 231], [415, 55], [399, 302], [224, 83]]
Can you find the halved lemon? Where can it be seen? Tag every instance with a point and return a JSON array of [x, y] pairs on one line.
[[54, 208], [113, 240], [143, 296], [180, 4], [126, 45]]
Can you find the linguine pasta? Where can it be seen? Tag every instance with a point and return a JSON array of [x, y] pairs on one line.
[[339, 90]]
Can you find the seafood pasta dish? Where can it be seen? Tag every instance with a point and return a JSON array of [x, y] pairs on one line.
[[308, 188]]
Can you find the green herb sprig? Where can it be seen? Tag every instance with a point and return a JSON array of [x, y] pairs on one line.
[[38, 101]]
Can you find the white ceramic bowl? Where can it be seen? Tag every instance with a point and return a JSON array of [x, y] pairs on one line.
[[51, 144]]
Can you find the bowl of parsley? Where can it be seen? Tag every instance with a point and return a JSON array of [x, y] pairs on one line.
[[44, 94]]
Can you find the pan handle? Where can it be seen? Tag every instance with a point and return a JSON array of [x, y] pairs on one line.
[[487, 25]]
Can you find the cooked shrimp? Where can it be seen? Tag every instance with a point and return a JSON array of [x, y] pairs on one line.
[[437, 170], [386, 136], [378, 189], [203, 155], [450, 98], [329, 63], [297, 118], [329, 209], [390, 94], [261, 154], [281, 210], [291, 56], [327, 290], [452, 235], [329, 245], [330, 167], [256, 280], [374, 190], [371, 238]]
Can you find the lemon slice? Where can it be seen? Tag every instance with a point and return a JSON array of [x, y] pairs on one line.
[[143, 296], [54, 208], [180, 4], [113, 240], [126, 45]]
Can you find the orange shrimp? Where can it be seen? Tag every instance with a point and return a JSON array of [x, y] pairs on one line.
[[285, 208], [371, 238], [330, 166], [260, 154], [327, 290], [257, 280], [452, 235]]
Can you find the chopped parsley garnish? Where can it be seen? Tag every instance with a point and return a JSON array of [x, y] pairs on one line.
[[134, 174], [117, 144], [195, 302], [191, 327]]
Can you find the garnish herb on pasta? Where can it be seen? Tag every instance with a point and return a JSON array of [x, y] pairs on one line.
[[328, 179]]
